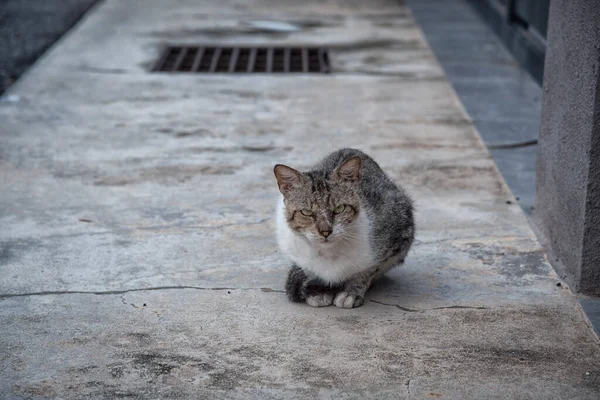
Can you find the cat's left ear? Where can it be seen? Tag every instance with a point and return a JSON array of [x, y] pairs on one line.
[[349, 170], [287, 178]]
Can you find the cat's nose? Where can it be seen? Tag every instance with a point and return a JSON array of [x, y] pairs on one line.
[[325, 233]]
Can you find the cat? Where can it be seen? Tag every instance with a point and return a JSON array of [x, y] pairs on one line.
[[343, 224]]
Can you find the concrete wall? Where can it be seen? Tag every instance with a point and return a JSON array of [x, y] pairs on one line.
[[528, 49], [568, 167]]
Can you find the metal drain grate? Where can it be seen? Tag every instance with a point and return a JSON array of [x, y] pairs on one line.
[[240, 60]]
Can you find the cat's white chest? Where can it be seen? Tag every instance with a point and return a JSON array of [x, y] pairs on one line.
[[332, 264]]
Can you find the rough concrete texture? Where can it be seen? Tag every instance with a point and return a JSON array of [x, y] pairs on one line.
[[137, 249], [568, 168]]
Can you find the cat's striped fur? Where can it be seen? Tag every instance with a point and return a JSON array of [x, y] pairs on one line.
[[336, 255]]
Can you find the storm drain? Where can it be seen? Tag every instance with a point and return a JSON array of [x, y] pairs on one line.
[[244, 60]]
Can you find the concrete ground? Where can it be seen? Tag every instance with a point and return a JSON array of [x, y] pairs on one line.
[[136, 246]]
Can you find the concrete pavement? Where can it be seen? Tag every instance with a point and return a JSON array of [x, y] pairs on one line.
[[136, 210]]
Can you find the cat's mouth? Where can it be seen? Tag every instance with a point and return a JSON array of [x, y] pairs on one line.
[[328, 241]]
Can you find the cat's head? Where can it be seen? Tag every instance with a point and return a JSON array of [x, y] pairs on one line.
[[321, 205]]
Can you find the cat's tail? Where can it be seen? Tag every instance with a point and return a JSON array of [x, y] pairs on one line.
[[295, 286]]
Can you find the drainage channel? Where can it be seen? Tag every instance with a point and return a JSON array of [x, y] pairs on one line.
[[216, 59]]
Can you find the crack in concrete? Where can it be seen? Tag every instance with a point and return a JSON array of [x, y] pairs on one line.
[[406, 76], [407, 384], [112, 292], [406, 309], [397, 306], [125, 302]]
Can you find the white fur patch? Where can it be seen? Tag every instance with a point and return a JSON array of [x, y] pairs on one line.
[[349, 252], [320, 300], [345, 300]]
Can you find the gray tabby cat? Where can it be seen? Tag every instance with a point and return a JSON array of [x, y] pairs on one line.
[[343, 224]]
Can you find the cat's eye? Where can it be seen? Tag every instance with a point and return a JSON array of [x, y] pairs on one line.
[[306, 213], [339, 209]]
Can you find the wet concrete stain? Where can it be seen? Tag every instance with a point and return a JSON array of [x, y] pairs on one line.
[[244, 94], [6, 253], [242, 366], [167, 175], [83, 370], [148, 363], [348, 319], [513, 264], [215, 367], [217, 32], [456, 122], [250, 94], [11, 250], [154, 364], [236, 149], [44, 388], [396, 44], [393, 23], [253, 352], [182, 133], [116, 371], [60, 171], [509, 356], [251, 27], [400, 15], [452, 177], [166, 214], [123, 243], [307, 371], [225, 371], [419, 145], [375, 61], [88, 68]]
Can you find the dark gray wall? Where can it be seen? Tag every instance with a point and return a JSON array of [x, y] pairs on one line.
[[30, 27], [522, 29], [568, 166]]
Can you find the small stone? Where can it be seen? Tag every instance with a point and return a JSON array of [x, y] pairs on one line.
[[273, 26], [10, 98]]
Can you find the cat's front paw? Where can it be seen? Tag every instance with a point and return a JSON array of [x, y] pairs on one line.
[[347, 300], [320, 300]]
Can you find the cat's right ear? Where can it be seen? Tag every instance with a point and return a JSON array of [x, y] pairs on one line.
[[287, 178], [350, 170]]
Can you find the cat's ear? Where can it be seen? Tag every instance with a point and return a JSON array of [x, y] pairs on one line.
[[349, 170], [287, 178]]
